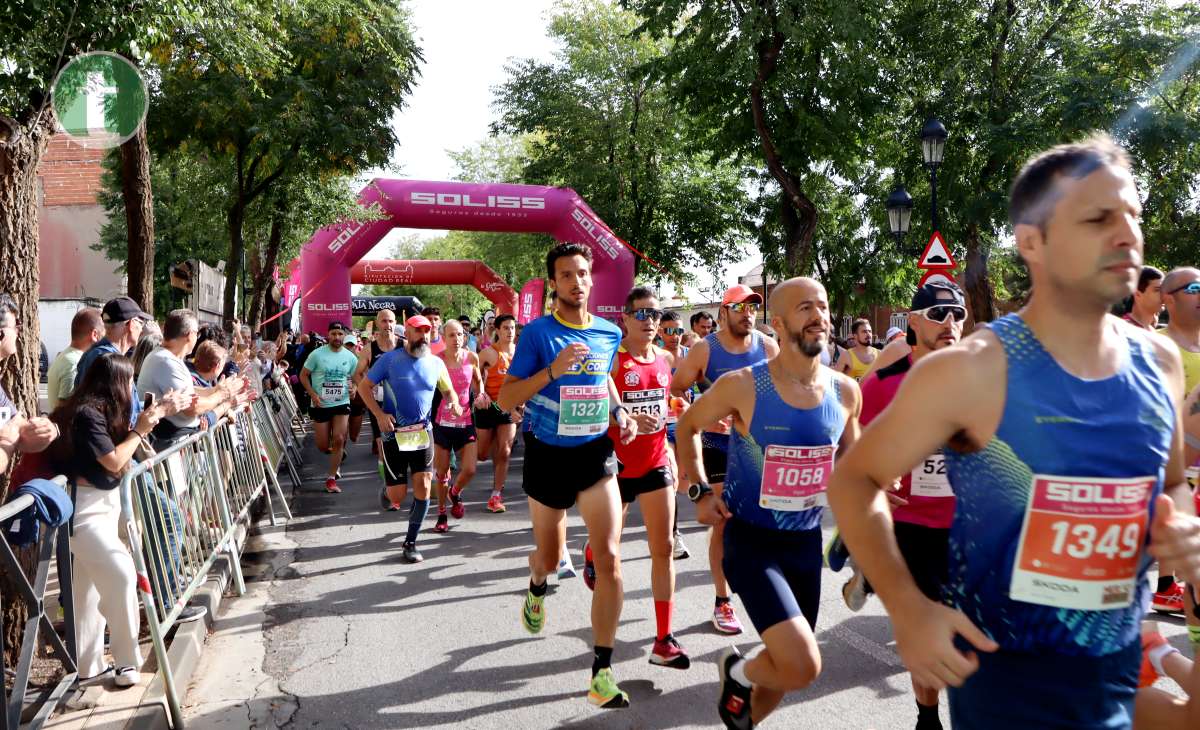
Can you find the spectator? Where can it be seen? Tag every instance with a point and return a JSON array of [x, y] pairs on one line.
[[98, 445], [18, 434], [702, 324], [151, 328], [123, 324], [146, 345], [208, 363], [209, 331], [86, 330]]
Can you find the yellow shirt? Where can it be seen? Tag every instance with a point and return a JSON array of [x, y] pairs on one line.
[[858, 368], [1191, 365]]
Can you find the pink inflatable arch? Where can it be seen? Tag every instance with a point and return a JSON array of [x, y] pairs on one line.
[[328, 257], [428, 271]]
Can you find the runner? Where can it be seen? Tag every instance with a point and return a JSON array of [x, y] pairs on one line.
[[331, 367], [383, 339], [862, 354], [671, 333], [702, 324], [1147, 300], [790, 415], [455, 434], [642, 376], [562, 371], [924, 506], [495, 427], [408, 376], [1158, 710], [735, 345], [434, 315], [1057, 463]]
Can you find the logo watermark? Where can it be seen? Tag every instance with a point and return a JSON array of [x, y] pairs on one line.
[[100, 100]]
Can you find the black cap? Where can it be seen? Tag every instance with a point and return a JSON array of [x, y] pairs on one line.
[[932, 294], [122, 309], [335, 325]]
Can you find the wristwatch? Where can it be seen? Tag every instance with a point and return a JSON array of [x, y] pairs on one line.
[[697, 491]]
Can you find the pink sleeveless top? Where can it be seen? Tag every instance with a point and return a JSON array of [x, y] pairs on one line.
[[460, 379]]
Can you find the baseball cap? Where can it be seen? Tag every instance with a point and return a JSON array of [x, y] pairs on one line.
[[122, 309], [418, 321], [930, 295], [740, 293], [335, 325], [892, 333]]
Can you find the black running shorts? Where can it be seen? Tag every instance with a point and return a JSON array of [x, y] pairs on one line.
[[325, 415], [491, 417], [651, 481], [555, 475], [715, 463], [453, 438], [397, 464], [926, 551]]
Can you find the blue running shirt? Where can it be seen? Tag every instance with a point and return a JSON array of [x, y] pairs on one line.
[[584, 388], [721, 361], [408, 384], [1053, 513]]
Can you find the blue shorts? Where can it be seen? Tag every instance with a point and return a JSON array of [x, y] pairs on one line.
[[1026, 690], [776, 573]]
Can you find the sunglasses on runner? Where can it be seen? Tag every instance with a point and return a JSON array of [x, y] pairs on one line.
[[1192, 287], [642, 314], [748, 307], [673, 331], [939, 312]]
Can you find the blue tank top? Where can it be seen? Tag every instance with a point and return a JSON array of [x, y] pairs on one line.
[[1053, 424], [776, 424], [721, 361]]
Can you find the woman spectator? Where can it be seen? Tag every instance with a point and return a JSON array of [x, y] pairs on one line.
[[96, 448], [146, 344]]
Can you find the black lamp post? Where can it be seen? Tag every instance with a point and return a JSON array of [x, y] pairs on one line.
[[933, 144], [899, 209]]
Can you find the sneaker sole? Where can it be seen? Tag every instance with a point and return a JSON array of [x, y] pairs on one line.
[[723, 673], [727, 632], [679, 662], [616, 702]]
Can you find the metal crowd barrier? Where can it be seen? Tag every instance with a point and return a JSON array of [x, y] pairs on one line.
[[188, 500], [274, 441], [54, 541]]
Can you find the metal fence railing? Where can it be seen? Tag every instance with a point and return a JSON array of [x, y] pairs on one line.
[[54, 542]]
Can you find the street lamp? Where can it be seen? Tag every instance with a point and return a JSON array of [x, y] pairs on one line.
[[933, 144], [899, 208]]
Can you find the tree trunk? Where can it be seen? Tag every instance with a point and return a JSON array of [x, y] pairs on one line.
[[139, 218], [976, 280], [263, 278], [233, 265]]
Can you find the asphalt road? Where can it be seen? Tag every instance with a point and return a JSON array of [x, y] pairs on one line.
[[356, 638]]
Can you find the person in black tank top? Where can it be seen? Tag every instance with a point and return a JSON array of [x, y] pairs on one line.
[[385, 332]]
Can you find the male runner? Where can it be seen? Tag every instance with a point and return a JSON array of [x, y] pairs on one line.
[[331, 367], [702, 324], [434, 315], [455, 434], [836, 357], [924, 508], [408, 376], [383, 339], [862, 354], [642, 376], [1147, 300], [495, 426], [562, 370], [735, 345], [790, 416], [1059, 426], [671, 333]]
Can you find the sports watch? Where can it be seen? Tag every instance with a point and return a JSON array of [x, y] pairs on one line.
[[697, 491]]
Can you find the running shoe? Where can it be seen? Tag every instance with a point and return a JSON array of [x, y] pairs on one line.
[[836, 553], [457, 508], [668, 653], [605, 693], [854, 592], [589, 568], [725, 620], [393, 507], [680, 551], [496, 504], [1169, 601], [411, 553], [331, 486], [443, 523], [533, 613], [566, 569], [385, 502], [126, 676], [734, 703]]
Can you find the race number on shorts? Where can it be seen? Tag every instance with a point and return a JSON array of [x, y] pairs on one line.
[[1081, 542], [794, 477], [928, 479], [582, 410]]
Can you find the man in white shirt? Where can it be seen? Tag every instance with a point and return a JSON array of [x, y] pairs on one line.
[[86, 330]]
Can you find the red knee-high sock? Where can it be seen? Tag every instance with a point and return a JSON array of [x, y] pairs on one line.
[[662, 618]]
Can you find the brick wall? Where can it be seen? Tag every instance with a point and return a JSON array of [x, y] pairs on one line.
[[70, 174]]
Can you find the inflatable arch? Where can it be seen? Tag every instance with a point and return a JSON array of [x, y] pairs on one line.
[[327, 260], [420, 271]]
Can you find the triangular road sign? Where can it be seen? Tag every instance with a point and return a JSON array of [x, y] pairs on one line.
[[937, 254], [937, 275]]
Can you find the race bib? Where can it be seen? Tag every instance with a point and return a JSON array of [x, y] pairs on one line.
[[333, 391], [448, 419], [1081, 542], [929, 478], [652, 402], [794, 477], [582, 410]]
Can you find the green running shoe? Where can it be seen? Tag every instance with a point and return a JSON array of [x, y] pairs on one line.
[[533, 613], [605, 693]]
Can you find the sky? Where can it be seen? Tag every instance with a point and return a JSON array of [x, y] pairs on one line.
[[450, 108]]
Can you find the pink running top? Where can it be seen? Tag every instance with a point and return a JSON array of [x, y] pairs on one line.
[[460, 378]]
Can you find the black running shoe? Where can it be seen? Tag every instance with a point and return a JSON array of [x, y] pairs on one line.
[[734, 704]]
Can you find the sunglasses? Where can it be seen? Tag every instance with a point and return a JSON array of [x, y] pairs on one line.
[[642, 314], [939, 312], [673, 331], [749, 307], [1189, 288]]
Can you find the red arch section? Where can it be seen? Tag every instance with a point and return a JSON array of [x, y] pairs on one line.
[[475, 273]]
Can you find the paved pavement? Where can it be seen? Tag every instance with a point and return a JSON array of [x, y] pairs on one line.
[[356, 638]]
